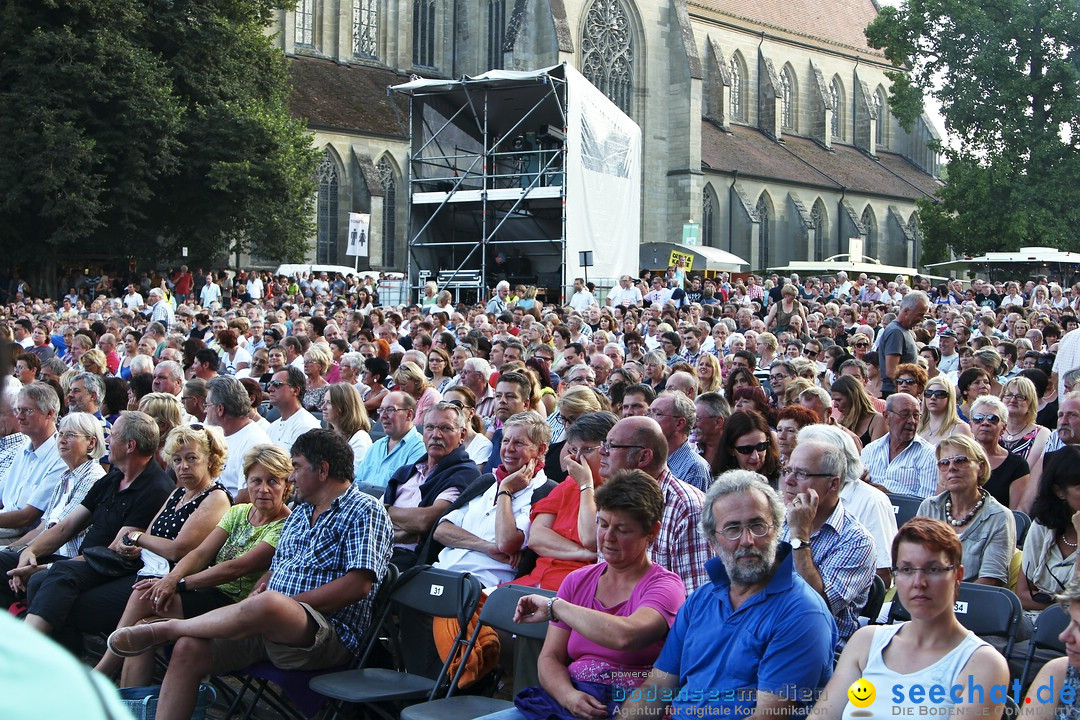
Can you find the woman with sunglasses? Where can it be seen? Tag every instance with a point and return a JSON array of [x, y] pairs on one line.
[[563, 531], [749, 444], [1009, 474], [1050, 556], [939, 417], [932, 648], [986, 527], [910, 379]]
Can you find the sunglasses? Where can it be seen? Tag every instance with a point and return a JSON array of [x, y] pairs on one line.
[[748, 449], [935, 394], [992, 419], [906, 381], [862, 345], [276, 384]]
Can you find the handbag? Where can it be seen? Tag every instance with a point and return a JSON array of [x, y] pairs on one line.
[[110, 563], [142, 702]]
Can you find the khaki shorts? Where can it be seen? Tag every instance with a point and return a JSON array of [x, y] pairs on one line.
[[325, 651]]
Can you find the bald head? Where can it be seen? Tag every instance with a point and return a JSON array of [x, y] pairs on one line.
[[636, 443]]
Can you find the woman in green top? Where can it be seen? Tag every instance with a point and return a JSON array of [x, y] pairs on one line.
[[220, 571]]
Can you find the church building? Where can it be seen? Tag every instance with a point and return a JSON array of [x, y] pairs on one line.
[[766, 121]]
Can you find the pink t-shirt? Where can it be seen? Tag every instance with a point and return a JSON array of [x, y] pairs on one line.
[[660, 589]]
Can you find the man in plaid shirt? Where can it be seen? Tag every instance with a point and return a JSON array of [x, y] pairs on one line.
[[312, 609]]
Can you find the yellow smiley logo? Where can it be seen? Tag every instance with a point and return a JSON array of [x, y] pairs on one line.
[[861, 693]]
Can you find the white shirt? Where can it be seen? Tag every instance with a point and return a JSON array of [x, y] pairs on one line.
[[478, 517], [1068, 357], [237, 444], [874, 510], [582, 300], [210, 293], [133, 301], [284, 432], [33, 476], [255, 288], [624, 296]]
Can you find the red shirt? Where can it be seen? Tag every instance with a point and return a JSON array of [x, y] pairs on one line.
[[563, 502]]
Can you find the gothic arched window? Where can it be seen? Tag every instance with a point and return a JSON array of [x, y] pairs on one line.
[[738, 79], [870, 223], [496, 33], [305, 23], [764, 231], [708, 220], [607, 49], [836, 91], [882, 107], [326, 244], [365, 28], [389, 223], [788, 111], [424, 33], [817, 219]]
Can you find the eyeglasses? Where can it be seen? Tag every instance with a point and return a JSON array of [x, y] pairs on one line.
[[273, 384], [383, 412], [607, 447], [930, 573], [68, 435], [21, 411], [657, 413], [980, 418], [800, 474], [589, 450], [906, 381], [1012, 396], [444, 429], [960, 461], [735, 532], [935, 394], [748, 449], [778, 378]]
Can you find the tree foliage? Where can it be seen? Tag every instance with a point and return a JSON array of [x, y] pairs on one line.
[[1007, 76], [134, 127]]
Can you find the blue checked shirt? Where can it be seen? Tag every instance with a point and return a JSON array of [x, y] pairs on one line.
[[355, 533], [690, 467], [912, 472], [10, 447], [844, 554]]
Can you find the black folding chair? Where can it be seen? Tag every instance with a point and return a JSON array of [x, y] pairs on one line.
[[498, 612], [1050, 623], [294, 699], [1023, 524], [985, 610], [905, 507], [427, 591], [872, 608]]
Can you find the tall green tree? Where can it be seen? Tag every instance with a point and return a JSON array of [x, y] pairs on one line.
[[135, 127], [1007, 76]]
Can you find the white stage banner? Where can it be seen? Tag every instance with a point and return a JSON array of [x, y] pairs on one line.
[[603, 181], [359, 234]]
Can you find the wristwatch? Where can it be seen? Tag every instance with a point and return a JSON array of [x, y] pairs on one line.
[[796, 543]]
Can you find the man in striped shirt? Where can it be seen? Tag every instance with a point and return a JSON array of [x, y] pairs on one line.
[[901, 461]]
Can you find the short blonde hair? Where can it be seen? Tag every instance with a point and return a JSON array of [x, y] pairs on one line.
[[94, 361], [271, 457], [578, 400], [971, 448], [1026, 390], [321, 356], [208, 439], [410, 371], [164, 408]]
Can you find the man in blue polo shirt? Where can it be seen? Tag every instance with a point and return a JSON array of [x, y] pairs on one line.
[[402, 446], [758, 639]]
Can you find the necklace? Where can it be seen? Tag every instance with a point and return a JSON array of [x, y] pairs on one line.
[[1013, 436], [1066, 541], [967, 518]]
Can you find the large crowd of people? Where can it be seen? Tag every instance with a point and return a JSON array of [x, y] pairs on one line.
[[703, 469]]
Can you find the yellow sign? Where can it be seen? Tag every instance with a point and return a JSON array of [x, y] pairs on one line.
[[687, 258]]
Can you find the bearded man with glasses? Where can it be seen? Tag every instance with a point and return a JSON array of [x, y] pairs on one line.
[[755, 640]]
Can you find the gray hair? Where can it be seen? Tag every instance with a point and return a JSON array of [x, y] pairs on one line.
[[682, 406], [818, 392], [913, 299], [618, 349], [592, 426], [459, 414], [353, 360], [993, 401], [829, 435], [536, 427], [715, 403], [173, 368], [230, 393], [142, 365], [141, 428], [56, 365], [832, 459], [92, 383], [478, 364], [734, 482], [88, 425], [9, 391], [43, 396]]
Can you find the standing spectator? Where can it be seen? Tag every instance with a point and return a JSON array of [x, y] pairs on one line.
[[897, 344]]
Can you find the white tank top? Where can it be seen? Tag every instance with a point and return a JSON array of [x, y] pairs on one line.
[[944, 672]]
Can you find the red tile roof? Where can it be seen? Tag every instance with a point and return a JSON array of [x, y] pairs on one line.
[[351, 98], [804, 162], [840, 22]]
